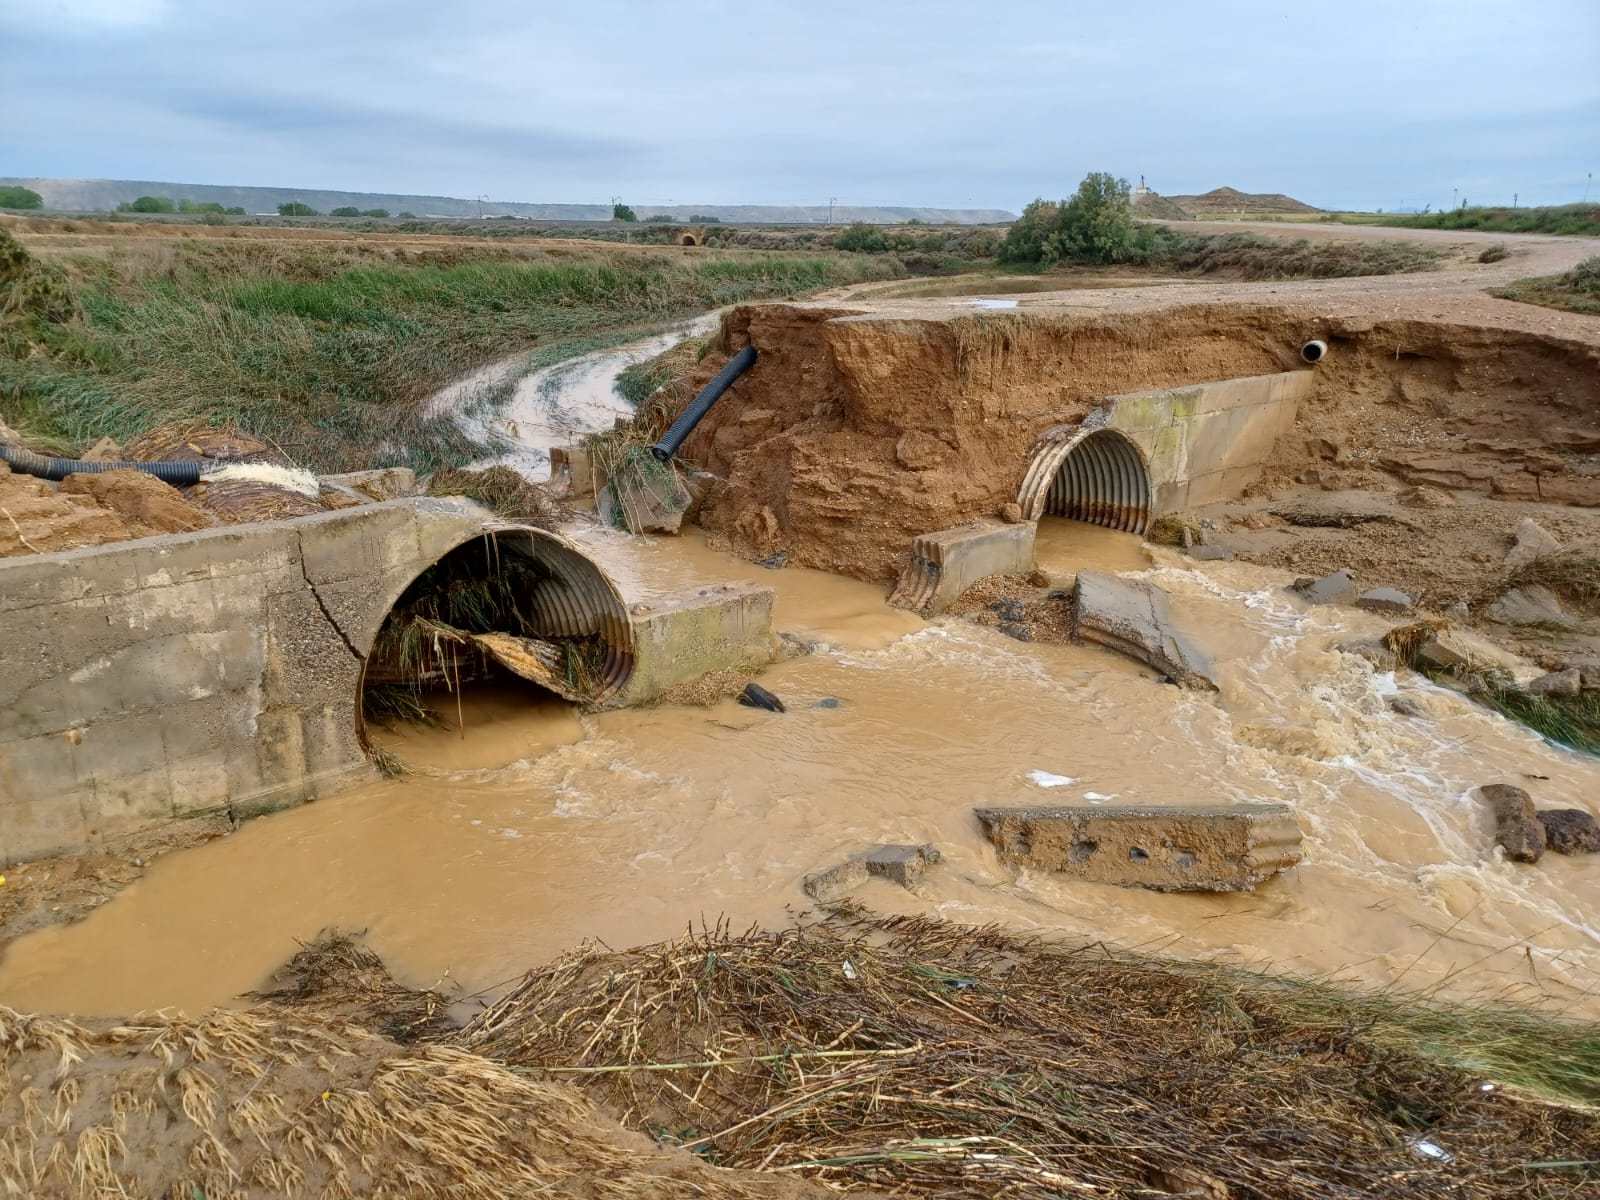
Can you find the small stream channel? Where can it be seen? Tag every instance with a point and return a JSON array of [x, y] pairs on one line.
[[527, 828]]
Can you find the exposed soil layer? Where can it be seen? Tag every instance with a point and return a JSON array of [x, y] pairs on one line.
[[89, 510], [854, 433]]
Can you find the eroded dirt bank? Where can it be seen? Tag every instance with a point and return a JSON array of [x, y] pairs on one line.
[[857, 431]]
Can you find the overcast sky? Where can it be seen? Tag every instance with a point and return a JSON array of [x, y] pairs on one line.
[[1349, 104]]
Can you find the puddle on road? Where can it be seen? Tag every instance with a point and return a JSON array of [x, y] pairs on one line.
[[543, 828]]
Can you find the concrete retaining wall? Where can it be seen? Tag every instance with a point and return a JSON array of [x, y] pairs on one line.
[[179, 677], [947, 563], [1209, 442]]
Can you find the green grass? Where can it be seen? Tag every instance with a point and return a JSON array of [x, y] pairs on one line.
[[1579, 219], [330, 351], [1576, 291]]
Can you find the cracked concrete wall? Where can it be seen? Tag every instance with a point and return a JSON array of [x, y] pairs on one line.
[[175, 677]]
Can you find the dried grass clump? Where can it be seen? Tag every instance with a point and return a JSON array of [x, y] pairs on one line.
[[929, 1059], [1573, 575], [252, 1106], [503, 491], [335, 976]]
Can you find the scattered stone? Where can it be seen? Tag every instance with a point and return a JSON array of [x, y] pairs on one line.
[[1516, 826], [903, 865], [827, 702], [1015, 629], [918, 450], [1405, 706], [1211, 553], [799, 645], [756, 696], [775, 561], [1459, 611], [1262, 520], [1533, 542], [1532, 605], [1570, 830], [1424, 496], [1330, 589], [1131, 617], [1373, 650], [1385, 600], [1558, 683], [1168, 848], [1008, 610], [1459, 651], [1011, 513]]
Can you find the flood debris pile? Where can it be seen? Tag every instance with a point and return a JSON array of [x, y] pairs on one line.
[[927, 1059], [258, 1104], [466, 618]]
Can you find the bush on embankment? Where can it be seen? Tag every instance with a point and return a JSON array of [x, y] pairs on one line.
[[1578, 290], [1582, 220], [331, 350]]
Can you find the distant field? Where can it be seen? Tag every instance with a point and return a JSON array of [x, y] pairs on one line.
[[1579, 219]]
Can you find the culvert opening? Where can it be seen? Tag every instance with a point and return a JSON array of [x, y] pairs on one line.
[[1096, 476], [516, 612], [688, 239]]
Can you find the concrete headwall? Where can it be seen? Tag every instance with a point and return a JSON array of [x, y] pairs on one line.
[[1146, 453], [1208, 442]]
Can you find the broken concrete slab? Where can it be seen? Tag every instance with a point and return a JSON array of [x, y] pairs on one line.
[[1131, 617], [1167, 848], [1532, 542], [947, 563], [1516, 826], [1532, 605], [899, 864], [385, 483], [1385, 600], [1373, 650], [1211, 552], [1570, 830], [1334, 588]]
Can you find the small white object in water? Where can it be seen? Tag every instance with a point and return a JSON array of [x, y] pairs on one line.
[[1046, 780], [992, 303], [291, 479], [1097, 798]]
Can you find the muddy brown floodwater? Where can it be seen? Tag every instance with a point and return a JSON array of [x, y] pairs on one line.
[[540, 828]]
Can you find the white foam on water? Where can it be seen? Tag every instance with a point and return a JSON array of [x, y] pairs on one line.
[[291, 479]]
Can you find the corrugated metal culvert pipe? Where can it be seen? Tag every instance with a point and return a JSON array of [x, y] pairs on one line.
[[1098, 476]]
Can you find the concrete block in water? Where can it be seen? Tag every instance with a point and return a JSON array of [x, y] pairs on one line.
[[1516, 826], [903, 865], [1215, 848], [1130, 616], [685, 634], [947, 563]]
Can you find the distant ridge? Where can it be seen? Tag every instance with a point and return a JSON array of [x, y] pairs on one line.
[[103, 195], [1230, 200], [1153, 206]]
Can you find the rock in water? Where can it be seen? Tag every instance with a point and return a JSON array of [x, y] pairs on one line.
[[1384, 600], [1330, 589], [1516, 827], [1571, 830], [756, 696]]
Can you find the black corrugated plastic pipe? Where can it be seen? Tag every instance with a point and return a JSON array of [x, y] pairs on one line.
[[701, 404], [180, 474]]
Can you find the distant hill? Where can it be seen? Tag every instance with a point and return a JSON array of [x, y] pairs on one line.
[[1230, 200], [103, 195], [1152, 206]]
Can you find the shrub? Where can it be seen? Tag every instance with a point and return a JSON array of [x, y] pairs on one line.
[[295, 209], [621, 212], [199, 206], [375, 212], [149, 204], [660, 219], [861, 238], [20, 197], [236, 211], [702, 219], [347, 210], [408, 216], [1494, 254]]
